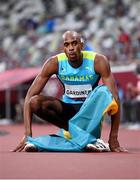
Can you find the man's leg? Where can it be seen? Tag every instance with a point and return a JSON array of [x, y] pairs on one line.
[[53, 110], [88, 121], [84, 127]]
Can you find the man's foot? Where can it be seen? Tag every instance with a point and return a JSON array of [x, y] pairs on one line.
[[98, 146], [29, 147]]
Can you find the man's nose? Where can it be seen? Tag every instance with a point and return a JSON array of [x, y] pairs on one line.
[[71, 47]]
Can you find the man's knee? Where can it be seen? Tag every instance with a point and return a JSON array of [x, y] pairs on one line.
[[34, 103]]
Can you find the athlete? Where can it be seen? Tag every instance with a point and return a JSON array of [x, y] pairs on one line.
[[80, 72]]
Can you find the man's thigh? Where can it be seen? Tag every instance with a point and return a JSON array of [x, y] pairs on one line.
[[68, 111], [59, 117]]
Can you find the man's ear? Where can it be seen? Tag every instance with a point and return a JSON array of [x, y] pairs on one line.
[[82, 42], [82, 45]]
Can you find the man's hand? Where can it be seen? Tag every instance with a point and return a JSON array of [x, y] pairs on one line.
[[21, 145], [115, 146]]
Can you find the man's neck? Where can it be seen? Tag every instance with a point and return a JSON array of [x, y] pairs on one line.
[[77, 63]]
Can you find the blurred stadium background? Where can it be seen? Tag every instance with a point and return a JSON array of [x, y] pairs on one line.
[[30, 32]]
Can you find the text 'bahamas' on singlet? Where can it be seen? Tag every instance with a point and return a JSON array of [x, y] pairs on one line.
[[78, 82]]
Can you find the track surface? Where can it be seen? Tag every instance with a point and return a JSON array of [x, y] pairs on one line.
[[52, 165]]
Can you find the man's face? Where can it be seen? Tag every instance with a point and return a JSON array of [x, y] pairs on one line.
[[72, 47]]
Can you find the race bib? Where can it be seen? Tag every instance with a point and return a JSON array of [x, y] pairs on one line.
[[77, 91]]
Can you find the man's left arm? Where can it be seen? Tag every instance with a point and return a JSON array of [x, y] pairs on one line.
[[103, 68]]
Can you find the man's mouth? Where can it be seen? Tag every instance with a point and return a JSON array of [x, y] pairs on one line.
[[72, 54]]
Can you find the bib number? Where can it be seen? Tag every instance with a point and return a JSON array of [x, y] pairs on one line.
[[77, 91]]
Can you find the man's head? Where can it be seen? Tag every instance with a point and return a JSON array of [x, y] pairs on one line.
[[72, 45]]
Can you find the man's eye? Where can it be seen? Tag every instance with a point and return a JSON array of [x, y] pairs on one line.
[[66, 44], [74, 43]]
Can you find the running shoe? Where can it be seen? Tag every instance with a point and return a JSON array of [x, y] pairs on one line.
[[98, 146], [29, 147]]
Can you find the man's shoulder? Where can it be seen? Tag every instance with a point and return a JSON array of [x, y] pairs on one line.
[[61, 56], [89, 54], [94, 55], [101, 63], [56, 58], [101, 57]]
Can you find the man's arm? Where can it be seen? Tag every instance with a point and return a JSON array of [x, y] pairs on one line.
[[103, 68], [49, 68]]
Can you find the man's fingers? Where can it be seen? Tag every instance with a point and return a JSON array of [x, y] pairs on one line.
[[21, 148], [123, 149], [119, 149], [16, 149], [115, 150]]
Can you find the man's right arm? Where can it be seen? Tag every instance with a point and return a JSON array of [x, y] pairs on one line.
[[49, 68]]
